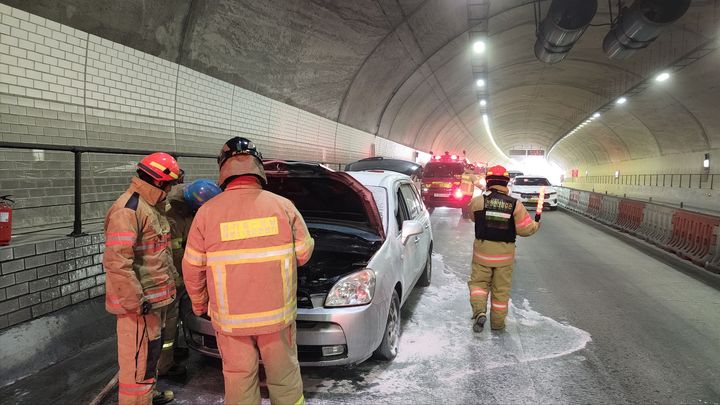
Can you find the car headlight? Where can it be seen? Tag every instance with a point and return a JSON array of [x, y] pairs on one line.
[[354, 289]]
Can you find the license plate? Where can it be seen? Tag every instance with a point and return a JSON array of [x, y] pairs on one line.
[[441, 184], [442, 194], [533, 200]]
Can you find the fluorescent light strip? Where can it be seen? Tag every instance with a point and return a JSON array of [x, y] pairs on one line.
[[486, 122]]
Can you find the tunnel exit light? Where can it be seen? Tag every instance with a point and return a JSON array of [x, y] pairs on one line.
[[479, 47]]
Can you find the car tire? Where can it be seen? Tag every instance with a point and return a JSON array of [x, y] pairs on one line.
[[553, 208], [426, 276], [388, 348]]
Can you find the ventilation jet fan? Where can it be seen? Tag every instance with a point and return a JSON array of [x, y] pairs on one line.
[[564, 24], [637, 26]]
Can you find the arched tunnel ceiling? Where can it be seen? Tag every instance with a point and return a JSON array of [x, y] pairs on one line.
[[402, 69]]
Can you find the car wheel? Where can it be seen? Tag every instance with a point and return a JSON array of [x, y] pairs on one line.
[[426, 276], [388, 348]]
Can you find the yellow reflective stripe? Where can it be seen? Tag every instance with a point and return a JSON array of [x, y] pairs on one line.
[[249, 255], [163, 168], [249, 228], [255, 315], [248, 251], [220, 277], [229, 322], [194, 257], [304, 245], [168, 345], [301, 401]]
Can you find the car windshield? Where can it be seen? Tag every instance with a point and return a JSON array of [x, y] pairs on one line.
[[443, 170], [531, 181]]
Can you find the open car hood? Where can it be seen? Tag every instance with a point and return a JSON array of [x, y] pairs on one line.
[[323, 195]]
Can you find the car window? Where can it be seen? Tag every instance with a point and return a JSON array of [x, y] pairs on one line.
[[531, 181], [411, 201], [401, 215], [443, 170]]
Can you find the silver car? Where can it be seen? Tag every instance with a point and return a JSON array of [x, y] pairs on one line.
[[373, 244]]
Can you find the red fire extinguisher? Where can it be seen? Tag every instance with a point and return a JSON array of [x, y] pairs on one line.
[[5, 219]]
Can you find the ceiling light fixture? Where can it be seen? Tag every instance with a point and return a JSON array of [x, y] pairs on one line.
[[621, 100], [662, 77], [480, 82], [596, 115], [483, 103], [479, 47]]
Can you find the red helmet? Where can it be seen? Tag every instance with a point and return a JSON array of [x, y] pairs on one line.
[[497, 175], [161, 167]]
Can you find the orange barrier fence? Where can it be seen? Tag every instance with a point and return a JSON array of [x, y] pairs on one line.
[[690, 235]]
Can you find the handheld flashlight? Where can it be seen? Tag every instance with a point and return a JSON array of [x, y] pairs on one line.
[[541, 201]]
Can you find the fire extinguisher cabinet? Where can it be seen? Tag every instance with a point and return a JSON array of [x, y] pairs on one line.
[[5, 219]]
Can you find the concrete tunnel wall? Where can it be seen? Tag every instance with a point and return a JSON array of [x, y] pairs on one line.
[[59, 85]]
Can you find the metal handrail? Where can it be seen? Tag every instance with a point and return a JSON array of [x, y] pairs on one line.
[[79, 150], [701, 181]]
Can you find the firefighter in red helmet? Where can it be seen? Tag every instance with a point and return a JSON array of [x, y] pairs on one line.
[[140, 276], [240, 267], [499, 219]]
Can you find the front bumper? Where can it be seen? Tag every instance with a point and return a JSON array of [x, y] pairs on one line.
[[358, 330], [550, 202], [430, 200]]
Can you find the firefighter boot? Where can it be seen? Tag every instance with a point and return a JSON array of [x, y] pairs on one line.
[[479, 323], [162, 397]]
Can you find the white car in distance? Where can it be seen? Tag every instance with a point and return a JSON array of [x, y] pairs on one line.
[[527, 190]]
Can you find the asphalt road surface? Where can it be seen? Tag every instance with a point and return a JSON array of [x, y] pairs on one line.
[[592, 321]]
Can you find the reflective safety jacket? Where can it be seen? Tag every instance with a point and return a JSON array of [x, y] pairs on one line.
[[137, 259], [180, 217], [241, 259], [496, 225]]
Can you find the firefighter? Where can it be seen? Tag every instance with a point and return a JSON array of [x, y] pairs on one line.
[[140, 276], [240, 267], [182, 204], [467, 187], [498, 219]]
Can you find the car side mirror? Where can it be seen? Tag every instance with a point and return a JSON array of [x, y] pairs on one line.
[[410, 228]]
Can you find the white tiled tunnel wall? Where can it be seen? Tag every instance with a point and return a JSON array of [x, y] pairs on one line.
[[62, 86]]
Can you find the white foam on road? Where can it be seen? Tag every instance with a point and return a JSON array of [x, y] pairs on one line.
[[439, 354]]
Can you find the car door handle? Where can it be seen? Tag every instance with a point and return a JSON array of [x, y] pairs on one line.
[[426, 226]]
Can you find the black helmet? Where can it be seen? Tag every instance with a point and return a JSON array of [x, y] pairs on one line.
[[238, 146]]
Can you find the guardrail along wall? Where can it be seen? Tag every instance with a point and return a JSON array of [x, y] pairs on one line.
[[62, 86], [690, 235], [700, 191]]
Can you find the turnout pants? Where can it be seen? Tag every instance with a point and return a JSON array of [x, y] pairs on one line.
[[169, 334], [139, 345], [495, 281], [240, 359]]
